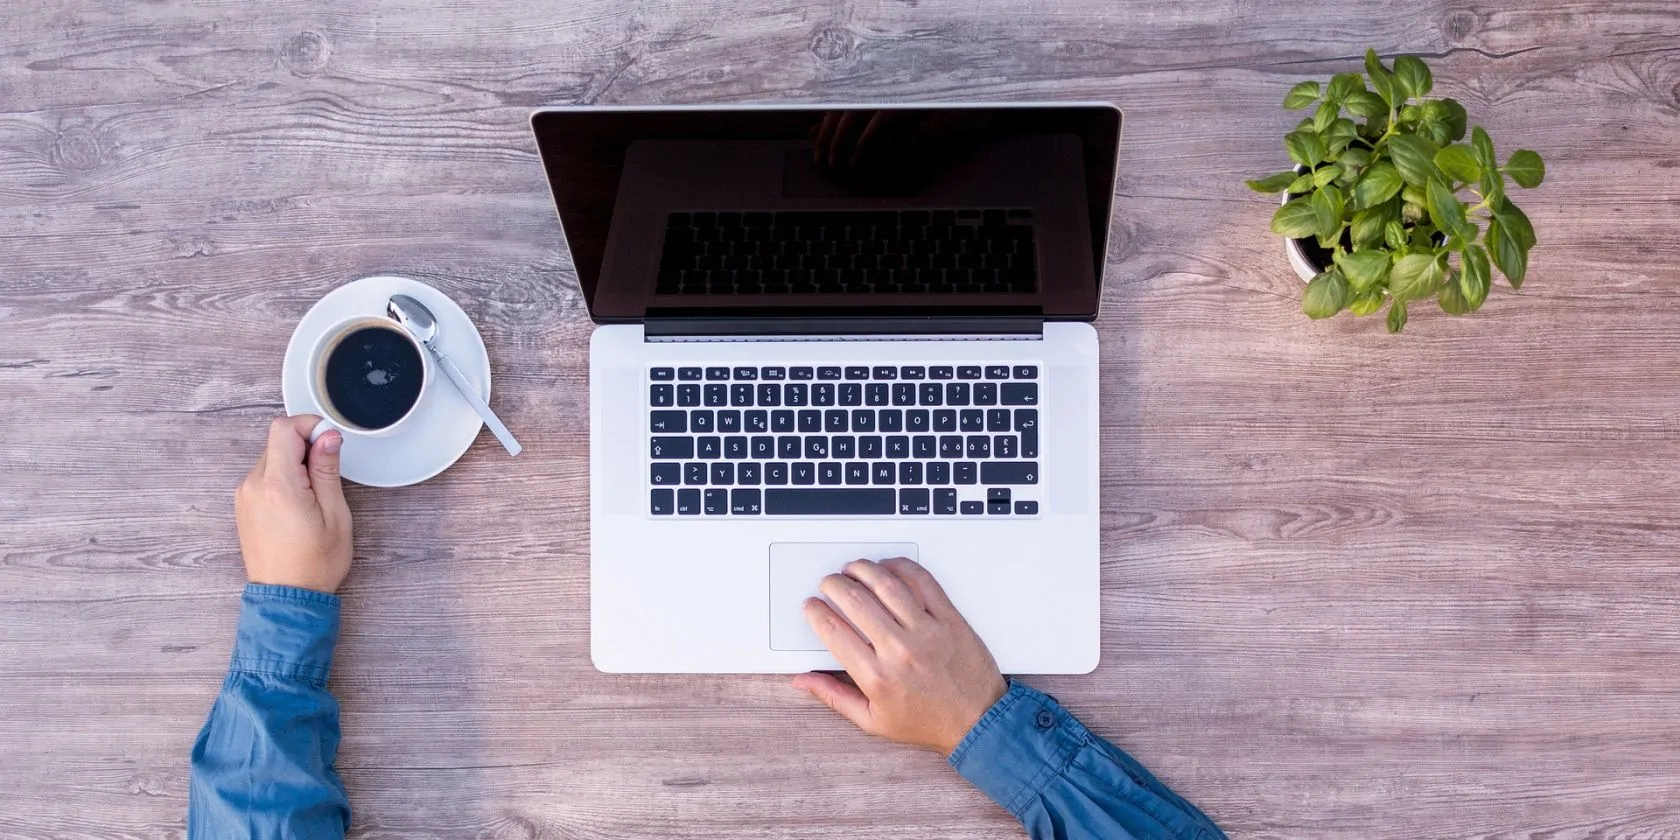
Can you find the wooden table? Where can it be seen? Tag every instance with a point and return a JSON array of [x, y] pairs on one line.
[[1355, 585]]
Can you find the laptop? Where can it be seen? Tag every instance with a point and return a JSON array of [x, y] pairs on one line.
[[833, 332]]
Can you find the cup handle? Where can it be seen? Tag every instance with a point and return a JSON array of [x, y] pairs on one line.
[[321, 428]]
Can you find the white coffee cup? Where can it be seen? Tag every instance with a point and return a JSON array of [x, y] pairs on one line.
[[331, 415]]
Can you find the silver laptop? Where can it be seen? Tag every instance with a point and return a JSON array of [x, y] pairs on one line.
[[833, 332]]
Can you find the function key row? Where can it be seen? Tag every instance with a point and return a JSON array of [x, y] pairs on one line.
[[838, 372]]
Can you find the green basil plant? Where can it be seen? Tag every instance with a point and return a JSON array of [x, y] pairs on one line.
[[1386, 196]]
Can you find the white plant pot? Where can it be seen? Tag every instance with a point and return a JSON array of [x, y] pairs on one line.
[[1298, 260]]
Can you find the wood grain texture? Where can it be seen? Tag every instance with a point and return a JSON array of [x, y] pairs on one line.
[[1354, 585]]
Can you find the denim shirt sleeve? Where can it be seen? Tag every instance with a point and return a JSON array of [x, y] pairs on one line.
[[1064, 783], [263, 764]]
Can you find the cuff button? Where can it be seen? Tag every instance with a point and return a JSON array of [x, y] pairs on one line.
[[1045, 719]]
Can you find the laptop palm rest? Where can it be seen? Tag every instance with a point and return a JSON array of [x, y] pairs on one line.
[[795, 571]]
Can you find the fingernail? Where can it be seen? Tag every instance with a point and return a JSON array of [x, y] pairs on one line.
[[330, 442]]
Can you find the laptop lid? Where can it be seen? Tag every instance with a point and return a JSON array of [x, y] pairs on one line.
[[821, 211]]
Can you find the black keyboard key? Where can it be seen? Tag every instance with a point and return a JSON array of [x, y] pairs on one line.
[[781, 421], [688, 395], [968, 372], [800, 374], [950, 446], [804, 473], [822, 394], [886, 372], [665, 473], [869, 447], [828, 373], [716, 502], [938, 472], [904, 393], [957, 393], [830, 501], [898, 446], [931, 393], [851, 393], [723, 473], [1009, 472], [910, 472], [816, 446], [997, 419], [883, 473], [688, 502], [997, 371], [717, 396], [769, 394], [985, 393], [775, 472], [979, 446], [973, 420], [748, 473], [1026, 422], [875, 393], [914, 501], [662, 374], [834, 420], [843, 446], [916, 420], [664, 501], [1025, 508], [890, 420], [967, 472], [701, 420], [716, 373], [709, 447], [694, 473], [945, 421], [857, 373], [668, 422], [1020, 393], [729, 421], [810, 420], [944, 501], [1026, 372], [863, 420], [746, 373], [788, 447], [671, 448], [660, 396], [735, 447], [758, 421], [796, 394], [973, 508], [828, 472], [774, 374], [941, 372], [689, 374], [1003, 446], [745, 502], [763, 447], [857, 472], [923, 446]]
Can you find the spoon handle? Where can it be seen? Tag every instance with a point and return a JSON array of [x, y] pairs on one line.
[[467, 390]]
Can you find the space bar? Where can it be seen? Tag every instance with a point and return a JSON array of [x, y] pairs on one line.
[[824, 502]]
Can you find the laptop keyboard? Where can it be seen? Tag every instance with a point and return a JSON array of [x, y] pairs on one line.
[[844, 440], [968, 251]]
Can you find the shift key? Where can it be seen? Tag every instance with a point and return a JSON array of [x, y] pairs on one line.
[[1008, 472]]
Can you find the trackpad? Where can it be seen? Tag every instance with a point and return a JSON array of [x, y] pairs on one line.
[[795, 571]]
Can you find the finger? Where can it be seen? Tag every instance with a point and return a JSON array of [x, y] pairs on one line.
[[876, 123], [323, 471], [860, 606], [853, 653], [287, 442], [825, 135], [921, 581], [889, 589], [845, 699], [841, 141]]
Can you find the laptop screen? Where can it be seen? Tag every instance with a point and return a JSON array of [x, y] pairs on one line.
[[809, 211]]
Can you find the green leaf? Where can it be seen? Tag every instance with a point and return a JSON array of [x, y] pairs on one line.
[[1379, 183], [1366, 104], [1325, 115], [1508, 254], [1445, 209], [1300, 96], [1340, 133], [1272, 183], [1414, 157], [1397, 316], [1368, 227], [1355, 158], [1394, 234], [1411, 114], [1411, 72], [1476, 277], [1415, 276], [1382, 81], [1363, 269], [1305, 148], [1455, 120], [1515, 221], [1493, 185], [1326, 174], [1303, 184], [1343, 85], [1326, 295], [1295, 220], [1327, 205], [1459, 162], [1452, 300], [1364, 303], [1483, 145], [1526, 168]]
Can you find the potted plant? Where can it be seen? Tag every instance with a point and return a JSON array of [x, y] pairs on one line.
[[1375, 209]]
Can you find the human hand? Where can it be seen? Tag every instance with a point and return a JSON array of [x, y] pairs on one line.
[[294, 525], [922, 677]]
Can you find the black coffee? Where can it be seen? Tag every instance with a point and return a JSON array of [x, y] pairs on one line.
[[373, 377]]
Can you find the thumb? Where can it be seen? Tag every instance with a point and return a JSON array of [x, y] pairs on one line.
[[845, 699], [323, 470]]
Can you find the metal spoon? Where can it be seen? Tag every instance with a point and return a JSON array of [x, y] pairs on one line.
[[418, 320]]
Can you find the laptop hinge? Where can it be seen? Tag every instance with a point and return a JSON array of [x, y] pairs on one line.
[[890, 328]]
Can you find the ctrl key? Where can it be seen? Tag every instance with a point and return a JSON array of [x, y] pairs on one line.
[[688, 502]]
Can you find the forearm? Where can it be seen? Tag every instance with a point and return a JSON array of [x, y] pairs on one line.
[[1064, 783], [263, 764]]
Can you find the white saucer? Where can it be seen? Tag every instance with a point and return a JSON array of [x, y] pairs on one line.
[[443, 425]]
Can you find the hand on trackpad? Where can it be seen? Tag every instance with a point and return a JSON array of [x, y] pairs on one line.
[[795, 571]]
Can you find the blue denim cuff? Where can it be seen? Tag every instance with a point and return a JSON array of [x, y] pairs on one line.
[[1023, 741], [287, 632]]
